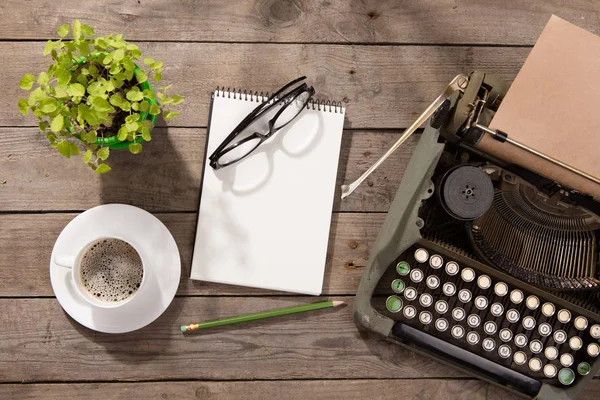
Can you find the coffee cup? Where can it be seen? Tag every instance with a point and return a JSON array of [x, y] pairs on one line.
[[107, 272]]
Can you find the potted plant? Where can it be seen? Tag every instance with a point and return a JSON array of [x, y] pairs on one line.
[[95, 97]]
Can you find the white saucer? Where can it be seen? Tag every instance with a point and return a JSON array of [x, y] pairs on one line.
[[152, 238]]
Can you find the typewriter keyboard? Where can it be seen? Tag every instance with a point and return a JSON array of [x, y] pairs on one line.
[[493, 317]]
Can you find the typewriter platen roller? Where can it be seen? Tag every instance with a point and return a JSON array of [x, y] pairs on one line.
[[485, 264]]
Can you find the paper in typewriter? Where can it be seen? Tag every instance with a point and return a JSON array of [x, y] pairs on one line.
[[552, 106]]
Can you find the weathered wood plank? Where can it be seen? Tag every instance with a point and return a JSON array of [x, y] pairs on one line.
[[381, 86], [38, 342], [27, 240], [430, 21], [166, 175]]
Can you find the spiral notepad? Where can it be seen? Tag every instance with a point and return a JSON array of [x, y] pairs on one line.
[[264, 221]]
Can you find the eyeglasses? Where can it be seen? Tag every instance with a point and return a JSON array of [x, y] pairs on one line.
[[284, 105]]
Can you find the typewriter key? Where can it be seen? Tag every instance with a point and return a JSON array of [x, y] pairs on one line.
[[501, 289], [520, 358], [595, 331], [436, 261], [481, 302], [516, 296], [535, 346], [532, 302], [521, 340], [449, 289], [426, 300], [529, 323], [593, 349], [497, 309], [580, 323], [545, 329], [505, 335], [433, 282], [416, 275], [484, 282], [535, 364], [564, 316], [464, 295], [467, 275], [566, 360], [403, 268], [560, 336], [441, 307], [512, 315], [566, 376], [504, 351], [410, 293], [457, 331], [398, 286], [393, 304], [583, 368], [490, 327], [458, 314], [421, 255], [409, 312], [548, 309], [473, 320], [441, 324], [425, 317], [550, 370], [472, 338], [575, 343], [452, 268], [488, 344], [551, 353]]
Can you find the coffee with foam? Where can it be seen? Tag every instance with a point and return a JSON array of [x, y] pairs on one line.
[[111, 270]]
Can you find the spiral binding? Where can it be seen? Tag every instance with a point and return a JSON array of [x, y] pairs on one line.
[[259, 97]]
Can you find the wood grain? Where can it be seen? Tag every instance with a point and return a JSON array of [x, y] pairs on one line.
[[26, 241], [373, 21], [166, 175], [381, 86], [39, 342]]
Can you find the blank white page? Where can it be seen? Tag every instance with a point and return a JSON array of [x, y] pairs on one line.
[[264, 221]]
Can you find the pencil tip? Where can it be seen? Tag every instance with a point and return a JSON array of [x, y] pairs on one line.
[[337, 303]]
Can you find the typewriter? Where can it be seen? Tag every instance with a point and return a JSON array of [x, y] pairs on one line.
[[486, 265]]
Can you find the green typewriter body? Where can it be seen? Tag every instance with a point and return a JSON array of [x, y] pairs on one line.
[[484, 265]]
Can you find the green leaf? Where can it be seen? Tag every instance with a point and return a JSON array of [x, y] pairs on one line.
[[43, 125], [60, 92], [62, 75], [131, 126], [49, 47], [93, 70], [170, 114], [146, 134], [149, 94], [144, 106], [157, 77], [90, 136], [102, 169], [141, 77], [132, 118], [85, 113], [122, 134], [103, 153], [125, 106], [101, 104], [165, 88], [51, 138], [135, 106], [87, 156], [96, 89], [148, 60], [76, 29], [116, 100], [119, 54], [128, 64], [87, 30], [36, 96], [107, 59], [57, 123], [43, 78], [26, 82], [82, 79], [154, 109], [74, 149], [23, 106], [135, 148], [63, 30], [64, 148], [156, 65], [134, 94], [48, 105], [83, 48], [136, 53], [76, 89], [177, 99]]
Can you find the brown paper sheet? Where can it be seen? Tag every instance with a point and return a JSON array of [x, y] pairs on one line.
[[552, 106]]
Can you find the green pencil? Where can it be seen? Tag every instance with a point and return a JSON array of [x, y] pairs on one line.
[[260, 315]]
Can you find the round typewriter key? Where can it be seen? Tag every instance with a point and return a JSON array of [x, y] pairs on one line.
[[449, 289], [441, 307], [548, 309], [457, 331], [566, 360], [545, 329], [473, 320], [516, 296], [393, 304], [398, 286], [410, 293], [535, 364], [452, 268], [551, 353], [564, 316], [505, 335], [436, 261], [409, 312], [529, 323], [583, 368], [504, 351], [550, 370], [488, 344], [575, 343], [472, 338], [512, 315], [521, 340], [467, 275], [560, 336], [481, 302], [535, 346], [490, 327], [433, 282], [484, 282], [416, 275], [426, 300], [500, 289], [464, 295], [421, 255], [520, 358], [593, 349], [441, 324], [425, 317], [497, 309], [532, 302], [458, 314], [580, 323], [403, 268], [595, 331], [566, 376]]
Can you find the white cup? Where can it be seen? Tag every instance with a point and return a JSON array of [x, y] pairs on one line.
[[73, 262]]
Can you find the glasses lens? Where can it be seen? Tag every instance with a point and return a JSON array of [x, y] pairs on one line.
[[292, 109], [244, 147]]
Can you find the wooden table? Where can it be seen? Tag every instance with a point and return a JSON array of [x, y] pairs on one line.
[[385, 60]]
